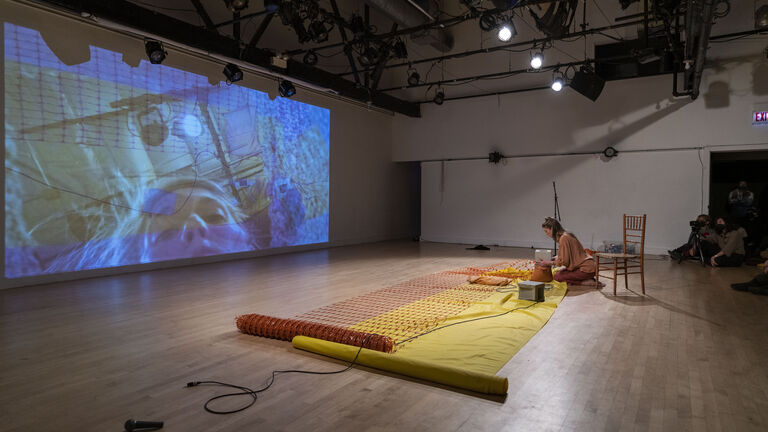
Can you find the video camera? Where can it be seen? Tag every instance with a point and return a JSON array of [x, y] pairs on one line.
[[697, 225]]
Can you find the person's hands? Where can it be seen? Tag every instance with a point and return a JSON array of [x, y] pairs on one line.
[[765, 267], [713, 262]]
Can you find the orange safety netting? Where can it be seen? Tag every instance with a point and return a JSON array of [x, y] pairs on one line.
[[381, 319]]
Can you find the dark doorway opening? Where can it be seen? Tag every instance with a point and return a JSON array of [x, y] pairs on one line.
[[727, 170]]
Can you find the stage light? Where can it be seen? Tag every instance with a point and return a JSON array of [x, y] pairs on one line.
[[413, 77], [236, 5], [558, 81], [399, 49], [369, 56], [318, 31], [286, 88], [557, 84], [271, 6], [487, 21], [310, 58], [537, 60], [439, 97], [506, 31], [761, 16], [155, 51], [233, 73]]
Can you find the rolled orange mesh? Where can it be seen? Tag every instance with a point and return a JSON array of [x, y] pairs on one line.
[[287, 329], [382, 318]]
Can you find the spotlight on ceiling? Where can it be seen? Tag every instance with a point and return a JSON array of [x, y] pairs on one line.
[[286, 88], [399, 50], [507, 31], [233, 73], [413, 77], [761, 16], [369, 56], [557, 81], [271, 6], [318, 32], [488, 21], [310, 58], [537, 60], [155, 51], [237, 5], [439, 97]]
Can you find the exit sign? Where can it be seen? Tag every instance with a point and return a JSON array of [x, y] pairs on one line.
[[760, 118]]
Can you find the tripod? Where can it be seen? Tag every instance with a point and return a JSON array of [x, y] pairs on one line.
[[695, 240]]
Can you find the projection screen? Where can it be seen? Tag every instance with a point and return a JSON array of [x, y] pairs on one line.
[[110, 165]]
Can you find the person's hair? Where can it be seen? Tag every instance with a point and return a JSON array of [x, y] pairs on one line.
[[705, 217], [730, 224], [557, 229]]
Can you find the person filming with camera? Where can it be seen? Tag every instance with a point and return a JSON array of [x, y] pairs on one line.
[[702, 241]]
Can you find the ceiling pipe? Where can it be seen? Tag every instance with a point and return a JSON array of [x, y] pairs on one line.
[[406, 14], [701, 52]]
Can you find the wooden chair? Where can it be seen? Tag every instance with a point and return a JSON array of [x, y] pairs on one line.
[[624, 263]]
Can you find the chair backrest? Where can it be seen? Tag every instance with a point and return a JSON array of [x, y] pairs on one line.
[[634, 232]]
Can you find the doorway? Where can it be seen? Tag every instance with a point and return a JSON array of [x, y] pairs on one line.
[[727, 169]]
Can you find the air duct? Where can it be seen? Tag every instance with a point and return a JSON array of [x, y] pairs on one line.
[[413, 13]]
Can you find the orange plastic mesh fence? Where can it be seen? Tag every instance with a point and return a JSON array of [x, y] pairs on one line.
[[382, 318]]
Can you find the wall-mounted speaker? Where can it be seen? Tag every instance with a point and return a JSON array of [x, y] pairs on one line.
[[586, 82]]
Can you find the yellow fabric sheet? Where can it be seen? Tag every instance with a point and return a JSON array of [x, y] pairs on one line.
[[465, 355]]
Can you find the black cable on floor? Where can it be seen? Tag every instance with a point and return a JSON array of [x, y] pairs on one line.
[[246, 391]]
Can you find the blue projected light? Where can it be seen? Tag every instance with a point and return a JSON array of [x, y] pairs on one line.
[[192, 126], [110, 165]]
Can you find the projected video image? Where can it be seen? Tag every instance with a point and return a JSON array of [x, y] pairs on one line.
[[108, 164]]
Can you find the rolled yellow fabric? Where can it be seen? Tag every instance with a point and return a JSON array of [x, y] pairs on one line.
[[475, 381]]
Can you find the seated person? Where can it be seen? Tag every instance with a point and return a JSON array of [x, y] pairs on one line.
[[708, 241], [579, 267], [731, 245], [758, 284]]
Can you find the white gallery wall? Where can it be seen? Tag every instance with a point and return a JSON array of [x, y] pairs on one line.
[[662, 168]]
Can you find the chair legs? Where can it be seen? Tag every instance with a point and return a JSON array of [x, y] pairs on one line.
[[616, 273], [626, 275], [597, 269]]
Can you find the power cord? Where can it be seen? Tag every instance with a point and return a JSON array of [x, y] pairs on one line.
[[246, 391]]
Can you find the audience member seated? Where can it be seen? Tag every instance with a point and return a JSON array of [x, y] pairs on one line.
[[707, 236], [731, 245], [758, 284]]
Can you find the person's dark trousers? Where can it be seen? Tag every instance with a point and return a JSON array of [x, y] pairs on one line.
[[734, 260], [758, 285], [710, 249]]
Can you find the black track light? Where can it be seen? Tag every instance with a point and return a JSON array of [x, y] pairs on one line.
[[233, 73], [369, 56], [439, 97], [271, 6], [399, 50], [155, 51], [413, 77], [318, 32], [236, 5], [286, 88], [310, 58]]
